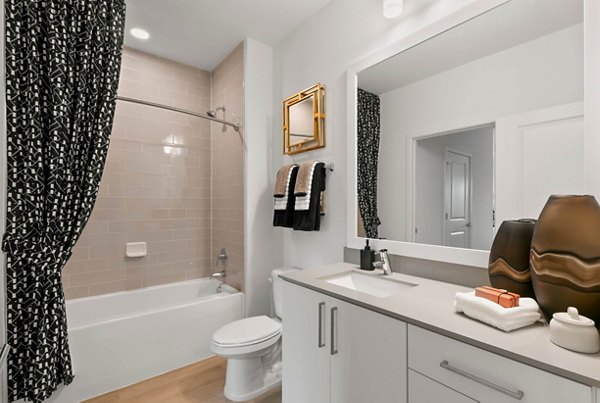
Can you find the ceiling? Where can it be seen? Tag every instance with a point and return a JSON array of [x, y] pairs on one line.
[[506, 26], [202, 33]]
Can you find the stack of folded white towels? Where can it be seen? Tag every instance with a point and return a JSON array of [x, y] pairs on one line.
[[507, 319]]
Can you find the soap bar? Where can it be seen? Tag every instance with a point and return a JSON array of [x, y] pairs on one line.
[[500, 297]]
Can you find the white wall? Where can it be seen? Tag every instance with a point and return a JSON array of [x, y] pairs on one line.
[[321, 50], [262, 245], [545, 72], [429, 186]]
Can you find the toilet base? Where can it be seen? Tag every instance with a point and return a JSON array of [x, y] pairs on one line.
[[248, 377], [270, 381]]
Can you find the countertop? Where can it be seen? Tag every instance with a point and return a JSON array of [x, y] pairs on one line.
[[430, 305]]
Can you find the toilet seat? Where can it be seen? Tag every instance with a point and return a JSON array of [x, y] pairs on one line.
[[247, 334]]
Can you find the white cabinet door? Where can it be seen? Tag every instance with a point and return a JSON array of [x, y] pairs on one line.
[[305, 345], [425, 390], [368, 356]]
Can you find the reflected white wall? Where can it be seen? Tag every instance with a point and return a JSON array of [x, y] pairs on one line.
[[545, 72]]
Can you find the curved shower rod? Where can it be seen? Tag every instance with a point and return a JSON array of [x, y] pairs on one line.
[[235, 125]]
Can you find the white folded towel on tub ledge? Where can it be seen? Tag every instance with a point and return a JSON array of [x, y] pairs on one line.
[[507, 319]]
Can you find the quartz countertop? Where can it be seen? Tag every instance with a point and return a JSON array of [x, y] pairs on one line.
[[430, 305]]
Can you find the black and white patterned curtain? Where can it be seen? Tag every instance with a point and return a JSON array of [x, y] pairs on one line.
[[368, 132], [63, 60]]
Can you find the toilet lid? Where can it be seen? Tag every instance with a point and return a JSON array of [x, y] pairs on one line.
[[247, 331]]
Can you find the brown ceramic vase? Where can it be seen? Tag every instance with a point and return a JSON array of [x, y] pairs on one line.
[[509, 257], [565, 256]]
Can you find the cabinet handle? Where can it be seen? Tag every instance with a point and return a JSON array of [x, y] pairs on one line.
[[515, 395], [334, 349], [321, 325]]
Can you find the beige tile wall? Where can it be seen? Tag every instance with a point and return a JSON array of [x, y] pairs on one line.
[[157, 185], [228, 166]]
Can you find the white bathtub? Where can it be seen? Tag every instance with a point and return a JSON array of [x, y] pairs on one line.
[[122, 338]]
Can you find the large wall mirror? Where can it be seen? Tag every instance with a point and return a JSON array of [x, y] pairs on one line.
[[475, 125]]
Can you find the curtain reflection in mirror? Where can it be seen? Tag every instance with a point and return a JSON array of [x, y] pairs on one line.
[[368, 133]]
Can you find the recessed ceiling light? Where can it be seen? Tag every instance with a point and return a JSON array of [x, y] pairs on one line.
[[393, 8], [140, 33]]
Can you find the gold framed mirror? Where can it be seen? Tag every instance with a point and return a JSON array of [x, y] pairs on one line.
[[304, 120]]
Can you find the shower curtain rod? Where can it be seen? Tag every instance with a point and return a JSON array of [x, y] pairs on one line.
[[235, 125]]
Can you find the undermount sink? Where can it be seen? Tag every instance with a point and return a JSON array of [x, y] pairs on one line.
[[377, 286]]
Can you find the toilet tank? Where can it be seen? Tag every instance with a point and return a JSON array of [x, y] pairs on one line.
[[277, 285]]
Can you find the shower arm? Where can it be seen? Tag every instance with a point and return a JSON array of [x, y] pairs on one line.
[[235, 125]]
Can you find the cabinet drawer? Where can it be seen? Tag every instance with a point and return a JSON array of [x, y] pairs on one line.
[[424, 390], [485, 376]]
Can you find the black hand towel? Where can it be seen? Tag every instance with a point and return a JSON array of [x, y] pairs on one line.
[[310, 220], [285, 218]]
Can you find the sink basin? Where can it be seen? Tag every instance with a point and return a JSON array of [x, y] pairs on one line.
[[369, 284]]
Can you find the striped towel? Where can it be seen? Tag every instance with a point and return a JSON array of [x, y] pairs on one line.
[[280, 202], [303, 186]]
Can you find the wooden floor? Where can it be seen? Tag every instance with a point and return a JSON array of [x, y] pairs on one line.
[[201, 382]]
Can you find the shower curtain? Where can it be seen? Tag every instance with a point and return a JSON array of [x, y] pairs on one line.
[[63, 60], [368, 157]]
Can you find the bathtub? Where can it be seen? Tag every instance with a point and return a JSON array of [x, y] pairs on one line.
[[122, 338]]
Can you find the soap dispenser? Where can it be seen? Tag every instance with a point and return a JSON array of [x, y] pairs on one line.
[[367, 257]]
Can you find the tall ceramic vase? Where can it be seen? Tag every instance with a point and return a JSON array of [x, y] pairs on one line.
[[509, 257], [565, 256]]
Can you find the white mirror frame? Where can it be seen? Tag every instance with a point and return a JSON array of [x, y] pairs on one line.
[[470, 257]]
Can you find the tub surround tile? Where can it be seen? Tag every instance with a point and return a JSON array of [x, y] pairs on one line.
[[163, 279], [158, 167], [115, 286], [77, 292], [171, 180]]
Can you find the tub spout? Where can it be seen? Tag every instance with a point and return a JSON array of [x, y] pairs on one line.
[[218, 275]]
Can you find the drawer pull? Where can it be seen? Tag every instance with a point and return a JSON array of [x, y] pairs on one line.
[[515, 395], [321, 342]]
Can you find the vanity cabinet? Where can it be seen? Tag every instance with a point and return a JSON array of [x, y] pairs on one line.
[[424, 389], [305, 350], [481, 375], [337, 352]]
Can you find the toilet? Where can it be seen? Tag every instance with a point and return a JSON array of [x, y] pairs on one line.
[[252, 347]]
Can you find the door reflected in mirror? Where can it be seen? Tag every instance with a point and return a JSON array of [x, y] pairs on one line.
[[453, 191], [477, 125]]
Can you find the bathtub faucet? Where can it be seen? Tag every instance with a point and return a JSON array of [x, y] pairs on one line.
[[223, 258]]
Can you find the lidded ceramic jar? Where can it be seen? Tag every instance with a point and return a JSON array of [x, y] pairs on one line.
[[574, 332]]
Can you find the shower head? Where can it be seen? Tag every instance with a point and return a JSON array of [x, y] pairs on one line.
[[213, 113]]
